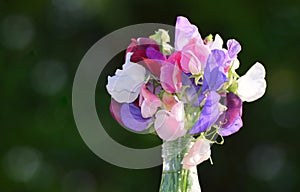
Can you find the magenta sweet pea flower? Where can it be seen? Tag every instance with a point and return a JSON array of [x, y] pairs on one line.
[[139, 47], [232, 116]]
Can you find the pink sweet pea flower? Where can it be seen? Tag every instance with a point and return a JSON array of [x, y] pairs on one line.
[[150, 103], [194, 56], [171, 74], [170, 125], [199, 152]]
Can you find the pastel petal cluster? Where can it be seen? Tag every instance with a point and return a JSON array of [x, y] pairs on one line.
[[189, 89]]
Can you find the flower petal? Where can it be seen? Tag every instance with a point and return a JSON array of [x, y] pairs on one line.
[[234, 48], [150, 104], [252, 85], [132, 118], [184, 32], [125, 85], [115, 109], [170, 125], [199, 152], [213, 78], [171, 77], [194, 56], [218, 42], [232, 128], [209, 115]]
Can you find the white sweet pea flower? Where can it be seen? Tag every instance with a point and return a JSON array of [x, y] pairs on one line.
[[125, 86], [252, 85]]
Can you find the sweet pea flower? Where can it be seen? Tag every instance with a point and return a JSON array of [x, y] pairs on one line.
[[171, 74], [150, 103], [199, 152], [184, 32], [139, 47], [194, 57], [125, 85], [169, 125], [132, 118], [209, 115], [232, 116], [168, 101], [189, 42], [252, 85], [214, 75]]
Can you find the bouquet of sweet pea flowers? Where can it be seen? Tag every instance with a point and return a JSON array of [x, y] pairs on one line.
[[189, 91]]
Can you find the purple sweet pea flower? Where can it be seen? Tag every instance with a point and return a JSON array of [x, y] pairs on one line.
[[209, 114], [232, 116], [132, 117], [233, 128], [214, 75]]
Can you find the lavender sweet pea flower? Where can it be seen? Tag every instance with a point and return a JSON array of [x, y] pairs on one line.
[[234, 48], [209, 114], [214, 75], [184, 32], [216, 58], [132, 117], [232, 116]]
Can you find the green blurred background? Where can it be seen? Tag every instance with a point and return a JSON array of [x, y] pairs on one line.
[[41, 46]]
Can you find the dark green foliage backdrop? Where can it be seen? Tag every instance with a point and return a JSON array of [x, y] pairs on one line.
[[41, 45]]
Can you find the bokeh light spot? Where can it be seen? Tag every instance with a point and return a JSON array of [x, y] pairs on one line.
[[17, 32], [265, 162], [21, 163], [49, 77]]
